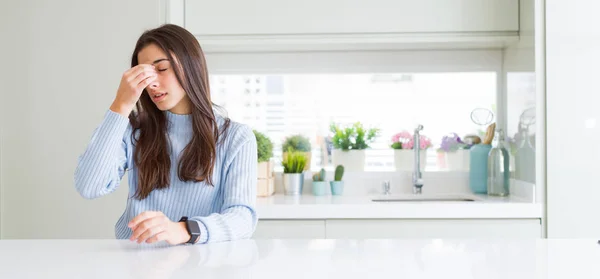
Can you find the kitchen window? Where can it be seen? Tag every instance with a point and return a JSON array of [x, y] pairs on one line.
[[293, 97]]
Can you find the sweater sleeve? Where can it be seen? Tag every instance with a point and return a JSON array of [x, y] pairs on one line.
[[237, 219], [102, 165]]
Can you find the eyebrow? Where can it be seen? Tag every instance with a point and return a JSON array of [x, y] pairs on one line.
[[159, 60]]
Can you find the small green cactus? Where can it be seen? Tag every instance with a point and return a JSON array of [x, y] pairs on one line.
[[339, 173], [319, 176]]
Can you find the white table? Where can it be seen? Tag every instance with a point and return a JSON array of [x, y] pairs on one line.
[[431, 258]]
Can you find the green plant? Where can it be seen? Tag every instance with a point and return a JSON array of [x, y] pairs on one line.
[[319, 176], [294, 162], [297, 143], [339, 173], [264, 147], [354, 137]]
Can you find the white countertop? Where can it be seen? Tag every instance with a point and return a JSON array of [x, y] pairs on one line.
[[361, 207], [437, 258]]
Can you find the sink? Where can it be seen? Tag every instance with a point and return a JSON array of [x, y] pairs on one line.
[[427, 198]]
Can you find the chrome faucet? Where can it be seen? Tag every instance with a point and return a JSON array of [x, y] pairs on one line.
[[417, 175], [386, 188]]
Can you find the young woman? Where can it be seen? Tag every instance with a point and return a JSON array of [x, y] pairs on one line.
[[192, 172]]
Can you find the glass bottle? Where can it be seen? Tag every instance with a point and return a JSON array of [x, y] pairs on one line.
[[525, 157], [498, 167]]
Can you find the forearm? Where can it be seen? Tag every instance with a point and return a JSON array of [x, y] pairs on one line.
[[100, 167], [237, 218], [238, 222]]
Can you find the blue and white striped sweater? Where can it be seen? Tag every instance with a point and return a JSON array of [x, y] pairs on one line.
[[225, 212]]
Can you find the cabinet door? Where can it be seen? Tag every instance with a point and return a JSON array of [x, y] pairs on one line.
[[435, 228], [281, 229], [276, 17]]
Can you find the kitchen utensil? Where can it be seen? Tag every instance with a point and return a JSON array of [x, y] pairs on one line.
[[482, 116], [527, 117], [489, 134]]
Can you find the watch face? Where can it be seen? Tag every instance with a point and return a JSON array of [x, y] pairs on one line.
[[194, 227]]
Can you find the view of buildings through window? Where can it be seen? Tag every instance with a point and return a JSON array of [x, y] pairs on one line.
[[287, 104]]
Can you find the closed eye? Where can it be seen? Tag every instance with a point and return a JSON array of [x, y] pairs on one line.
[[162, 70]]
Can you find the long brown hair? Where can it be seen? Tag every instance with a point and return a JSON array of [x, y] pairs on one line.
[[151, 155]]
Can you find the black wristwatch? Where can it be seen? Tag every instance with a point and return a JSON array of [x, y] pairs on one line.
[[193, 229]]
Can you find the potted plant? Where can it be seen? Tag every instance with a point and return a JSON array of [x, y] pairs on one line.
[[454, 153], [319, 184], [266, 179], [337, 185], [404, 156], [293, 175], [349, 144], [298, 143]]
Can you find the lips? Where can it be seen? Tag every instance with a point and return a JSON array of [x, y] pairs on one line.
[[157, 97]]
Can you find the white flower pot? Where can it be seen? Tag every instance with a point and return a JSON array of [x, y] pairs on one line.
[[404, 159], [352, 160], [458, 160]]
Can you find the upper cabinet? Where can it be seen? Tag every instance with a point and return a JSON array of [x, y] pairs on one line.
[[270, 17], [231, 22]]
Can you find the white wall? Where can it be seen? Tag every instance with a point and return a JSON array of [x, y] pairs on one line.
[[4, 19], [573, 115], [65, 60]]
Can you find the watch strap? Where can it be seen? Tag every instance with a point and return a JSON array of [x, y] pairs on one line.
[[193, 236]]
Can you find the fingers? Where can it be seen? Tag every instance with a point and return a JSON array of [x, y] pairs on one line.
[[136, 70], [148, 228], [141, 76], [144, 83], [158, 237], [142, 217], [150, 232]]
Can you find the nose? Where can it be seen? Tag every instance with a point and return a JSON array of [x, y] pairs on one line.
[[153, 85]]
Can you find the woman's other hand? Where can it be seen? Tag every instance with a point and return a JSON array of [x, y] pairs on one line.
[[154, 226]]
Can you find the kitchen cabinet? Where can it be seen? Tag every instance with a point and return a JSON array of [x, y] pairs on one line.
[[274, 17], [400, 228], [435, 228], [282, 229], [227, 25]]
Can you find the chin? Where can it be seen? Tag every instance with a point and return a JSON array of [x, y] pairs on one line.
[[164, 107], [167, 104]]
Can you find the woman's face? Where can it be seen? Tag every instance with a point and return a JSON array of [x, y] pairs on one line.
[[165, 91]]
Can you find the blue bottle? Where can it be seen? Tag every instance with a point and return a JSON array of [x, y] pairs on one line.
[[478, 168]]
